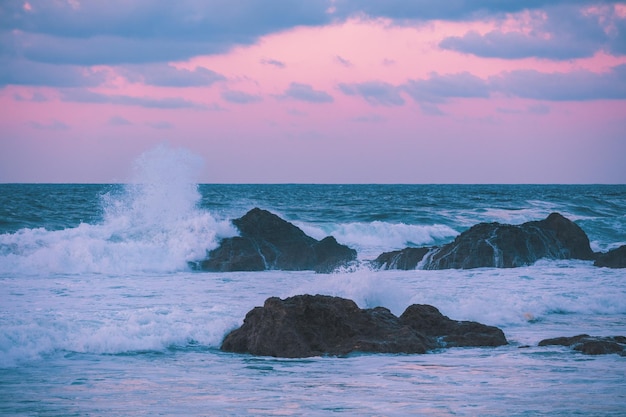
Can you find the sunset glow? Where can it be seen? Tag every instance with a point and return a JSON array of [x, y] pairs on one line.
[[322, 91]]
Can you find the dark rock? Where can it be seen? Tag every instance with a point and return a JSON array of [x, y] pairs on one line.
[[269, 242], [427, 320], [615, 258], [500, 246], [590, 345], [404, 259], [308, 325]]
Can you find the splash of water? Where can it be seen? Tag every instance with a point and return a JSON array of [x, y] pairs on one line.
[[152, 224]]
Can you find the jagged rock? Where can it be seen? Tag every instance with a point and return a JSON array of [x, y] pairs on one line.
[[500, 246], [269, 242], [590, 345], [314, 325], [615, 258], [404, 259]]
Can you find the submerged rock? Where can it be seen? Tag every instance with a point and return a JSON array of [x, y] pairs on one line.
[[615, 258], [499, 246], [590, 345], [314, 325], [269, 242]]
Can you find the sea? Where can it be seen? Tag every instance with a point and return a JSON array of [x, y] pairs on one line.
[[101, 314]]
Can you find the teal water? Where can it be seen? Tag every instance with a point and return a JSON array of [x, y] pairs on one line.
[[100, 315]]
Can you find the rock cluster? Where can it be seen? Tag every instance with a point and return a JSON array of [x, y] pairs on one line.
[[268, 242], [498, 246], [314, 325]]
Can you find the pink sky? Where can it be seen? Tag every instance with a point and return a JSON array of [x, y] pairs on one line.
[[321, 91]]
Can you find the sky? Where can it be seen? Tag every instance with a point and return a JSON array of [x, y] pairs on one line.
[[315, 91]]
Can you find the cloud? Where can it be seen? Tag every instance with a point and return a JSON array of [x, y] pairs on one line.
[[375, 92], [422, 10], [536, 109], [579, 85], [304, 92], [163, 75], [563, 33], [240, 97], [36, 97], [439, 88], [138, 31], [55, 125], [119, 121], [342, 61], [22, 72], [274, 62], [161, 125], [369, 118], [85, 96]]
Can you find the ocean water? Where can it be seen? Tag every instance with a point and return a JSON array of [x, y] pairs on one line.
[[101, 316]]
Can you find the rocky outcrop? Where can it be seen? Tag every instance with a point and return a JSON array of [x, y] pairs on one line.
[[269, 242], [314, 325], [615, 258], [590, 345], [499, 246]]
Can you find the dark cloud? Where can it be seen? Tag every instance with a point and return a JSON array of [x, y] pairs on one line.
[[304, 92], [134, 31], [240, 97], [617, 37], [439, 88], [22, 72], [111, 50], [422, 10], [85, 96], [563, 33], [571, 86], [375, 92], [274, 62], [163, 75]]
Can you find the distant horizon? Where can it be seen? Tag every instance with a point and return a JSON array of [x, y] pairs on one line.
[[321, 92], [310, 183]]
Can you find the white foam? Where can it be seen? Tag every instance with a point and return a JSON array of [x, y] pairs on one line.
[[154, 224], [371, 239]]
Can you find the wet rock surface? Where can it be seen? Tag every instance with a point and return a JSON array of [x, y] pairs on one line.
[[590, 345], [315, 325], [499, 246], [615, 258], [269, 242]]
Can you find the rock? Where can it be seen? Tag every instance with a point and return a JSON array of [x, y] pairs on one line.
[[269, 242], [404, 259], [428, 321], [500, 246], [314, 325], [590, 345], [615, 258]]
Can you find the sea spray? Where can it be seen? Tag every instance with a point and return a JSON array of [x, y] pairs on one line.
[[153, 223]]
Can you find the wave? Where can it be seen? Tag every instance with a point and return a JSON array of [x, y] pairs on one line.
[[371, 239], [153, 224]]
